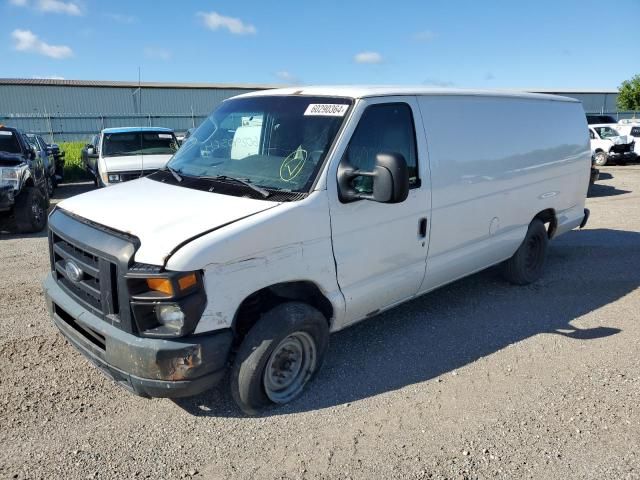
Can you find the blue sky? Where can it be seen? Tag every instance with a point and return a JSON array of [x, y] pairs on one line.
[[557, 44]]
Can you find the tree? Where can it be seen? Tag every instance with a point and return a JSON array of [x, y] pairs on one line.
[[629, 94]]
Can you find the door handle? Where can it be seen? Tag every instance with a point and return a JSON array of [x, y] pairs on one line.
[[422, 227]]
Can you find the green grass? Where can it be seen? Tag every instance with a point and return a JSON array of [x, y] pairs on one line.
[[73, 168]]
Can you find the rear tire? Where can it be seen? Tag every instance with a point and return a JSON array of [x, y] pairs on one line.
[[527, 264], [600, 158], [30, 211], [278, 357]]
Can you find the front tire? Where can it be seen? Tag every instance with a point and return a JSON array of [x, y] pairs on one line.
[[278, 357], [527, 264], [30, 211], [600, 158]]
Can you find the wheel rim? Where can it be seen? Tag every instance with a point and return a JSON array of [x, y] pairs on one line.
[[37, 211], [600, 159], [534, 257], [290, 366]]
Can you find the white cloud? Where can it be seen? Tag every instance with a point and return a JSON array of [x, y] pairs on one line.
[[50, 6], [158, 53], [120, 18], [27, 41], [58, 6], [424, 36], [287, 77], [368, 57], [215, 21]]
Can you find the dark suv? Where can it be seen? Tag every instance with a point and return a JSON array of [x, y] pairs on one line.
[[24, 198]]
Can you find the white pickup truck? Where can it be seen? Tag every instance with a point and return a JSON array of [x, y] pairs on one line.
[[293, 213], [117, 155], [607, 144]]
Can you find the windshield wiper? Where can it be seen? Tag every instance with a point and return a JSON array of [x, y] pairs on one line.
[[242, 181], [174, 172]]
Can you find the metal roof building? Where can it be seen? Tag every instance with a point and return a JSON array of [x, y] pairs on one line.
[[75, 109], [593, 101]]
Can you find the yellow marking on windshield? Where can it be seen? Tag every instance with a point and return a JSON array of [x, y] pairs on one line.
[[292, 165]]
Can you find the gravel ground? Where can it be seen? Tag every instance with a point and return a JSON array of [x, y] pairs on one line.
[[477, 380]]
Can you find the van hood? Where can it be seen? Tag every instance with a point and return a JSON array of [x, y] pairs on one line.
[[162, 216], [127, 163]]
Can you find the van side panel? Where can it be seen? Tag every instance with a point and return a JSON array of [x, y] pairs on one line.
[[495, 163]]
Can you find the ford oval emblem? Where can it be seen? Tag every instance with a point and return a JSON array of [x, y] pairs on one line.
[[73, 271]]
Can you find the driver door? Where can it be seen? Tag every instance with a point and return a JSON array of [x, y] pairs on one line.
[[381, 249]]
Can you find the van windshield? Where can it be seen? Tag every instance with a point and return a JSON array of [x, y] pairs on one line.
[[136, 143], [277, 142]]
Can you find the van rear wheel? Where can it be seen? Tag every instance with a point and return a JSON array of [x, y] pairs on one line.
[[527, 264], [278, 357]]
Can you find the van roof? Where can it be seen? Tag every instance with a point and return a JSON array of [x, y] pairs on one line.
[[363, 91], [136, 129]]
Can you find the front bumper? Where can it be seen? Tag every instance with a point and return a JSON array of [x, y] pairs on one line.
[[145, 366], [628, 156]]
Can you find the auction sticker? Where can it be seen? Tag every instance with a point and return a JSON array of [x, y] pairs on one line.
[[326, 109]]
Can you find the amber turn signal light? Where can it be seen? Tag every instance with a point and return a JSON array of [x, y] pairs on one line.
[[160, 285], [164, 285], [189, 280]]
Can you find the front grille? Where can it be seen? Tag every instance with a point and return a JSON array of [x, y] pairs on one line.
[[97, 288], [126, 176], [624, 148]]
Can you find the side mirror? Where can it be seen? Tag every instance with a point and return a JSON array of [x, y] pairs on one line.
[[33, 153], [91, 150], [390, 180]]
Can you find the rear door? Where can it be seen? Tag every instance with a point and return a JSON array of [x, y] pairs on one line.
[[380, 249]]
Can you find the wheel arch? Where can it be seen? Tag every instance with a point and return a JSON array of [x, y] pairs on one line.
[[260, 301], [549, 218]]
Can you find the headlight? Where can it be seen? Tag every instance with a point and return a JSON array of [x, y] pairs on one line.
[[165, 304], [114, 178], [10, 176], [170, 316]]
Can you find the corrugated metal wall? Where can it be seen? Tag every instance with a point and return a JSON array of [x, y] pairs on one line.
[[29, 99], [596, 102], [68, 113]]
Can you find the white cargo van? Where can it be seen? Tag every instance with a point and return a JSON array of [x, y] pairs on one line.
[[293, 213]]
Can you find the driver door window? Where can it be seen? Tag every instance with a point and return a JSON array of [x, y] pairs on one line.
[[386, 127]]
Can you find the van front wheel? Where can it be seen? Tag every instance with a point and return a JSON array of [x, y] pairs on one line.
[[279, 355], [527, 264]]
